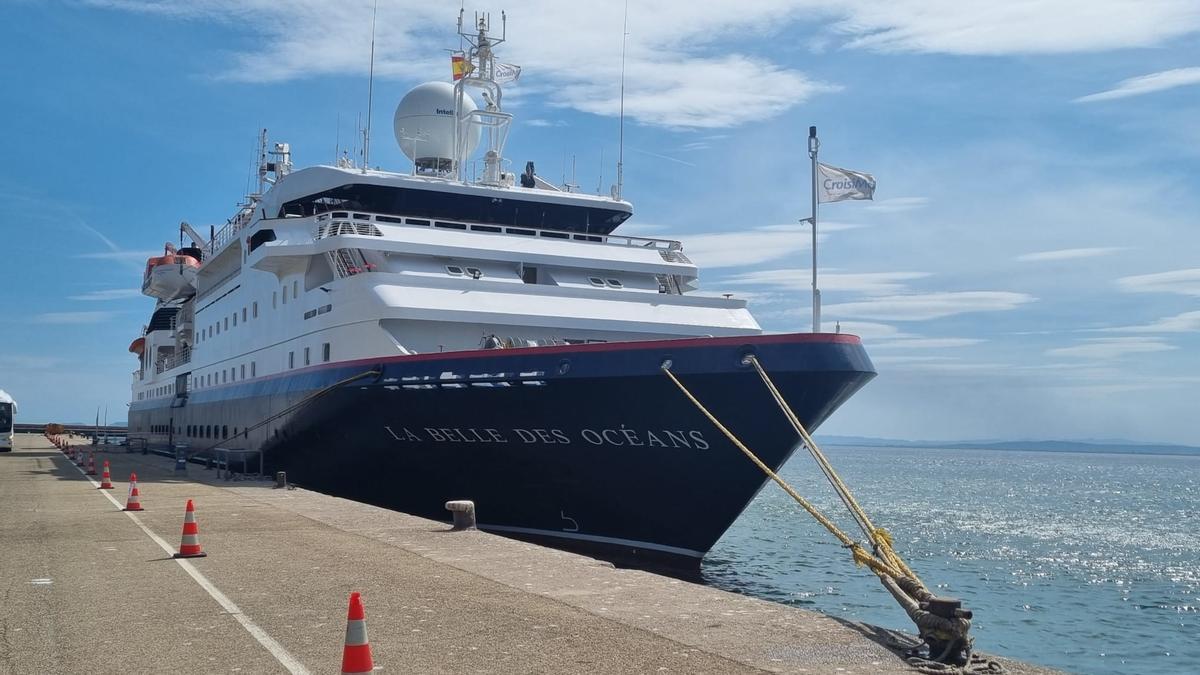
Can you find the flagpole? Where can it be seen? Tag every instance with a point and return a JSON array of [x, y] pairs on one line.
[[813, 146]]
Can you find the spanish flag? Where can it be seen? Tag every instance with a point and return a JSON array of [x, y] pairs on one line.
[[458, 66]]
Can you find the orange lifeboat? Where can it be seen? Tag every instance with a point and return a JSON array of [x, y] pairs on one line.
[[138, 346], [170, 276]]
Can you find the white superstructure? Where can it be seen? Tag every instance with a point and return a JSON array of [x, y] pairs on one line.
[[342, 263]]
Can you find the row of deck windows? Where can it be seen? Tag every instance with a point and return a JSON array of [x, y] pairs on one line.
[[250, 312]]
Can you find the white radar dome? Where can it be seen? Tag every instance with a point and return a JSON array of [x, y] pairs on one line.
[[424, 126]]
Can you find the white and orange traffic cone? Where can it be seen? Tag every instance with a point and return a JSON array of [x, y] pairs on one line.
[[356, 655], [91, 464], [105, 478], [133, 502], [190, 546]]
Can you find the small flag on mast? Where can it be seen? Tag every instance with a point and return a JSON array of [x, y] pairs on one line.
[[841, 184], [458, 66]]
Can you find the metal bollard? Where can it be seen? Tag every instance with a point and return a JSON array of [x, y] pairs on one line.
[[464, 514], [280, 479]]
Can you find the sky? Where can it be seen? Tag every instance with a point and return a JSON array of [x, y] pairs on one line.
[[1029, 268]]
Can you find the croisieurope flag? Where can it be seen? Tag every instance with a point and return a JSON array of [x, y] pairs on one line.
[[837, 185]]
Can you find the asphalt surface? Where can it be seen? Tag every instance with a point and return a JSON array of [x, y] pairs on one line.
[[86, 589]]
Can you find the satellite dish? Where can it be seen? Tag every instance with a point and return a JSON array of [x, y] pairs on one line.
[[424, 126]]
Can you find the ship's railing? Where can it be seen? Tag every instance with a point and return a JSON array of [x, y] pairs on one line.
[[223, 235], [348, 222], [181, 357]]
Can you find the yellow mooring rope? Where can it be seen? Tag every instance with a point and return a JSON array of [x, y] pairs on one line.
[[897, 577], [860, 555]]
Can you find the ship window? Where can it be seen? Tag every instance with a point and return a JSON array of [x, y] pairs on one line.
[[310, 314], [474, 272], [218, 328], [529, 274], [224, 432], [235, 319], [454, 269], [252, 368], [285, 290], [295, 289], [243, 315], [224, 376], [254, 309], [615, 283], [306, 358], [243, 371], [274, 297], [596, 281], [325, 352], [226, 323], [291, 359]]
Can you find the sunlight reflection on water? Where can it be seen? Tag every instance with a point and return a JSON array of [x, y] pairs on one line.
[[1086, 562]]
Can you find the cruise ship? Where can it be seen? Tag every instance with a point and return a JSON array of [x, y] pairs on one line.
[[457, 331]]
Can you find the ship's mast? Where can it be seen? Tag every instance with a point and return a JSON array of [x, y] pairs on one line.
[[484, 74]]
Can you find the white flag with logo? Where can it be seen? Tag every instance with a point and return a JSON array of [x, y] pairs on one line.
[[507, 72], [840, 184]]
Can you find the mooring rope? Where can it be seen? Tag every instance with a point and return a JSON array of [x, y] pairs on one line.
[[895, 575]]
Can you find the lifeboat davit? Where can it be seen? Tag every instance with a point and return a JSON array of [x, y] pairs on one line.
[[170, 276]]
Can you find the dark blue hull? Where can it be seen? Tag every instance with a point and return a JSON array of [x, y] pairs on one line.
[[587, 447]]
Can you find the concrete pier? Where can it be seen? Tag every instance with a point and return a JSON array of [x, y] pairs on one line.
[[87, 588]]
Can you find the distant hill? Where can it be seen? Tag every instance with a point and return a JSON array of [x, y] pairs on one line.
[[1110, 446]]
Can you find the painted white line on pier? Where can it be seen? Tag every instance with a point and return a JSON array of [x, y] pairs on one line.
[[282, 655]]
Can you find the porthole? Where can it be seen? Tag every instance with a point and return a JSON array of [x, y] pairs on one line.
[[455, 270], [615, 283], [596, 281]]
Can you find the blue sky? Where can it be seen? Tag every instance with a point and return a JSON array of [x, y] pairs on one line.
[[1030, 267]]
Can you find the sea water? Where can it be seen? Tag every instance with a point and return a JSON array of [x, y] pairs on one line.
[[1084, 562]]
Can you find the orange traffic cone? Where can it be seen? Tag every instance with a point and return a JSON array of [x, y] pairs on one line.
[[105, 478], [190, 546], [356, 655], [92, 464], [133, 503]]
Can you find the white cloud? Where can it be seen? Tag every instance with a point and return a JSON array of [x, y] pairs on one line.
[[926, 343], [1188, 322], [924, 306], [61, 318], [1111, 348], [983, 27], [1146, 84], [910, 359], [545, 123], [1069, 253], [108, 294], [751, 246], [799, 279], [898, 204], [683, 67], [120, 255], [29, 362], [570, 52], [1184, 282]]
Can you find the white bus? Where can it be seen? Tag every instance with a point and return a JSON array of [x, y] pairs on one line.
[[8, 410]]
